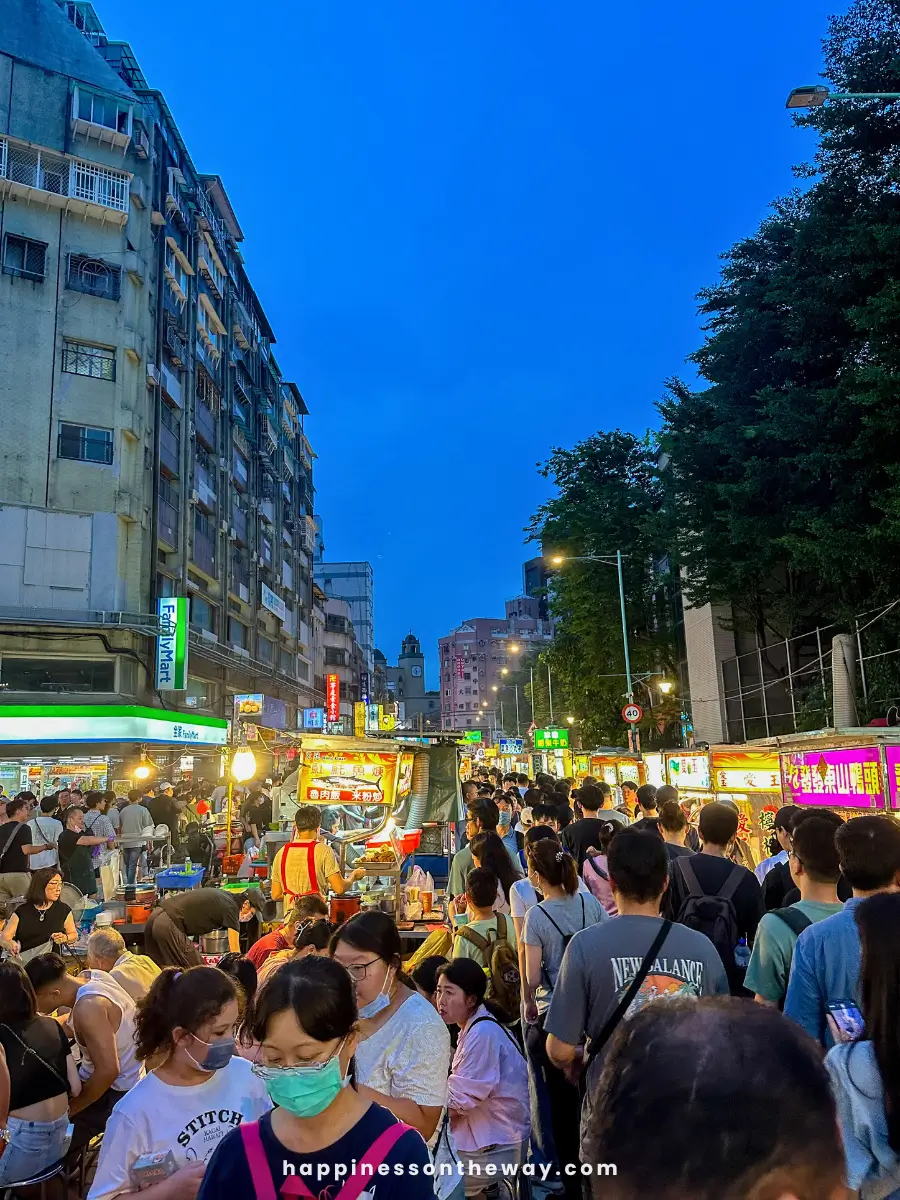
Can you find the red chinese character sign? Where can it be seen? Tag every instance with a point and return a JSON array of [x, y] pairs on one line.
[[849, 777], [332, 697]]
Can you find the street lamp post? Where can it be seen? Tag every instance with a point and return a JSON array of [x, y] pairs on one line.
[[616, 561]]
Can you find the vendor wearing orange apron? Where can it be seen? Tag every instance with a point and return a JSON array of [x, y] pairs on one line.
[[306, 865]]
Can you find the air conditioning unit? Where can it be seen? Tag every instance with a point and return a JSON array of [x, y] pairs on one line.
[[195, 496], [223, 463], [254, 557], [141, 143], [232, 532], [153, 374], [192, 428], [139, 191], [224, 526], [244, 593], [254, 502]]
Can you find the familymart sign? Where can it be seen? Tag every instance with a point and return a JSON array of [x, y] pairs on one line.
[[172, 644], [33, 723]]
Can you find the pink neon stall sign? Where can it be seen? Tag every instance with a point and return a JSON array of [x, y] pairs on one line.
[[846, 778]]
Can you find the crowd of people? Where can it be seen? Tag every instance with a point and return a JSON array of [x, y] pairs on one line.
[[625, 1003]]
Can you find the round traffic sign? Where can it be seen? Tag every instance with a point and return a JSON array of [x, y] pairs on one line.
[[632, 713]]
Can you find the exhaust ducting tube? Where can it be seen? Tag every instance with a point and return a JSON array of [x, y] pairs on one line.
[[843, 681], [418, 796]]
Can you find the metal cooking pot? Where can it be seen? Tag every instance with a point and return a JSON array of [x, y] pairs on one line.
[[389, 905], [215, 942], [136, 893]]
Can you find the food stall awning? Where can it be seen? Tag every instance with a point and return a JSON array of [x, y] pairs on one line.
[[67, 727]]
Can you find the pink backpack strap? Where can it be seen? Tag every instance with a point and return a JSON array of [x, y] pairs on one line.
[[261, 1176], [360, 1182]]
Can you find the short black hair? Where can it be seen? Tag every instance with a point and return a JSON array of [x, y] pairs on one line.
[[638, 865], [44, 969], [869, 851], [424, 974], [320, 993], [784, 818], [590, 798], [15, 806], [481, 887], [483, 809], [666, 792], [308, 816], [813, 843], [646, 795], [541, 813], [755, 1108], [17, 999], [630, 784], [718, 823]]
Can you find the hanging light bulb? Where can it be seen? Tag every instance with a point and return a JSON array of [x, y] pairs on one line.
[[144, 767], [243, 765]]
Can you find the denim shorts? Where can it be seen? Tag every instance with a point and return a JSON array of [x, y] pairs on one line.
[[33, 1147]]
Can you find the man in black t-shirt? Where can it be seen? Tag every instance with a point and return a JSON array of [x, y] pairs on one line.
[[192, 914], [584, 833], [15, 850], [648, 820]]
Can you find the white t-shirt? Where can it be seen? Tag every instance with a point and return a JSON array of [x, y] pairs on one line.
[[43, 830], [409, 1057], [189, 1121], [523, 896]]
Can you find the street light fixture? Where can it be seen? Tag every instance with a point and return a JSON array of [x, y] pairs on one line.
[[616, 561], [814, 95], [504, 670], [571, 720], [514, 649], [665, 686]]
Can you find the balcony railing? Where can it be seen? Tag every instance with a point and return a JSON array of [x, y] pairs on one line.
[[206, 424], [68, 183], [239, 521], [167, 513]]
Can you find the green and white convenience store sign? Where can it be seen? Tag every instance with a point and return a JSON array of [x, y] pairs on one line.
[[43, 723]]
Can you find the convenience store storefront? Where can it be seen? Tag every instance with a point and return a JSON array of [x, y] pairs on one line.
[[46, 747]]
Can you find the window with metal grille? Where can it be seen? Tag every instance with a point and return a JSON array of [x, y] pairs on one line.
[[24, 257], [79, 358], [93, 276], [84, 443]]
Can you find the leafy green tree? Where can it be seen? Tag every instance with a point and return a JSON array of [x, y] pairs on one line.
[[609, 496]]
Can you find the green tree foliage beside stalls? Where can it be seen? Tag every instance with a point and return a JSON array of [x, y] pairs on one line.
[[609, 496], [786, 462]]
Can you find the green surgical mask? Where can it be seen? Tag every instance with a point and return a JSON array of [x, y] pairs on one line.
[[304, 1091]]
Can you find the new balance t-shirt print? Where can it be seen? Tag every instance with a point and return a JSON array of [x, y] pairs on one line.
[[601, 962]]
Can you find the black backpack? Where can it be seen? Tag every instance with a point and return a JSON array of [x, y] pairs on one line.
[[713, 916]]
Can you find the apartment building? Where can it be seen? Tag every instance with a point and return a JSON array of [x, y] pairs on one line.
[[353, 582], [153, 446], [474, 656], [343, 655]]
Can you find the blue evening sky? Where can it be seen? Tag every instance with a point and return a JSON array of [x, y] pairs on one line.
[[477, 230]]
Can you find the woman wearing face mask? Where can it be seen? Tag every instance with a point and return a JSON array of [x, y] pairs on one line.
[[403, 1055], [198, 1093], [305, 1023]]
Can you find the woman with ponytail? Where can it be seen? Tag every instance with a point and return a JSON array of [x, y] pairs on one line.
[[547, 930], [195, 1093]]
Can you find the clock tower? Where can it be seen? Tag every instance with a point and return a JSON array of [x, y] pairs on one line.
[[411, 666]]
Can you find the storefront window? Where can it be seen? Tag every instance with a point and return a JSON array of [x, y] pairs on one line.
[[49, 676]]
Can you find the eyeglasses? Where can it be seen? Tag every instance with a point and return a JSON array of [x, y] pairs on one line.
[[359, 970]]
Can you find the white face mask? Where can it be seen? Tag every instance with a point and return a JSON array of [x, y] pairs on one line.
[[381, 1001]]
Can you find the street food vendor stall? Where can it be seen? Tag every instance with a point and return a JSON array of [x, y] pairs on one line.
[[852, 771], [752, 780]]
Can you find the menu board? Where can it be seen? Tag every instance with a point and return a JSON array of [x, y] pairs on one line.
[[689, 771], [653, 765], [347, 777], [849, 777]]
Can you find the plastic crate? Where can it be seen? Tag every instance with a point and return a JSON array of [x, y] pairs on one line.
[[180, 879]]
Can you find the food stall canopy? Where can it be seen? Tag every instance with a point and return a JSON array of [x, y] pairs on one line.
[[854, 769]]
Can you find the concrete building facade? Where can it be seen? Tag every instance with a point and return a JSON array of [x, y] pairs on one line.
[[153, 447], [405, 685]]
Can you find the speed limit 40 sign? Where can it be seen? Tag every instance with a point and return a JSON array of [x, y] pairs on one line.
[[632, 713]]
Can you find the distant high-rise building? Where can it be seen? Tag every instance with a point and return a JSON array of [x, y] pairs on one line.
[[353, 582], [473, 658]]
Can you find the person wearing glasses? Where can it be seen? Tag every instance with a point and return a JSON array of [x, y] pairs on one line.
[[305, 1023], [403, 1053], [196, 1093]]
